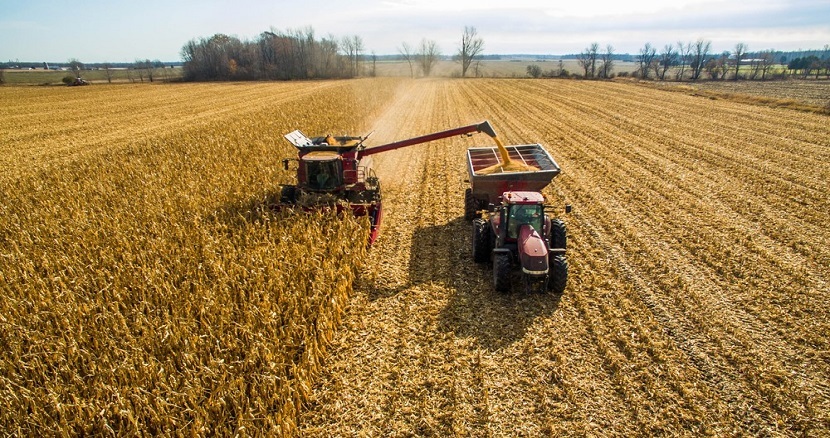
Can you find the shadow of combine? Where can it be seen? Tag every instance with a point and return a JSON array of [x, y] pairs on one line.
[[442, 255]]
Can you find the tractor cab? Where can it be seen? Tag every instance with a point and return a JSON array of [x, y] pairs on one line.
[[524, 214], [518, 209]]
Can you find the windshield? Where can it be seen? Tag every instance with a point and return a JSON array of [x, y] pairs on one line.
[[323, 175], [524, 214]]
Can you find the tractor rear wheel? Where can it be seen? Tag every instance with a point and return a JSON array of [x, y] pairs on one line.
[[470, 205], [558, 234], [501, 272], [558, 274], [481, 241]]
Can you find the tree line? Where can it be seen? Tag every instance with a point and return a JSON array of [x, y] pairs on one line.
[[694, 61], [293, 54], [299, 54]]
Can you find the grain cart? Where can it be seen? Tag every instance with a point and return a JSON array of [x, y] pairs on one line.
[[336, 172], [514, 229]]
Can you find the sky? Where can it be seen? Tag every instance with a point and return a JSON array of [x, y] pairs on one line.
[[124, 31]]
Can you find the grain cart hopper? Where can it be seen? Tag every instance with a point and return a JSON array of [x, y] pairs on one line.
[[336, 172], [514, 229]]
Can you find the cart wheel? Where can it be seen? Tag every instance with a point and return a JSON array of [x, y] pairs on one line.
[[558, 274], [470, 205], [501, 272]]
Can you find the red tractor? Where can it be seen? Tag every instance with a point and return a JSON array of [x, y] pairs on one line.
[[515, 229]]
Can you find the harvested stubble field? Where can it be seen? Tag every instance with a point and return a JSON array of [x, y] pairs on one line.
[[806, 95], [146, 288]]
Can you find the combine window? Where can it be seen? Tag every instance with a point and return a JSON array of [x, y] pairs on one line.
[[324, 175], [524, 214]]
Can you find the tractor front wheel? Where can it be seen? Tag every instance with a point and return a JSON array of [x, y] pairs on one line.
[[558, 234], [501, 272], [558, 274]]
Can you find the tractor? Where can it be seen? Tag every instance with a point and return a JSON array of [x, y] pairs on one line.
[[510, 224]]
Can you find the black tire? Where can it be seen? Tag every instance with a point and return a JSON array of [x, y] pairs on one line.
[[558, 234], [470, 205], [288, 195], [501, 272], [558, 274], [481, 241]]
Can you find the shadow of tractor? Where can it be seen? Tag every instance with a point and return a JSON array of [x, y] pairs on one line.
[[441, 255]]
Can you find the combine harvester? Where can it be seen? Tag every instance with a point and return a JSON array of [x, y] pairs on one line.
[[336, 172]]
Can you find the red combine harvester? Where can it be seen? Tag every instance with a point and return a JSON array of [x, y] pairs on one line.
[[337, 172]]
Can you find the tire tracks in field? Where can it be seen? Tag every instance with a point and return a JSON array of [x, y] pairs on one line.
[[630, 383], [747, 324]]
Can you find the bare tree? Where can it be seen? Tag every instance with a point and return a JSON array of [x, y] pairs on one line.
[[684, 51], [107, 71], [762, 63], [645, 58], [428, 56], [593, 51], [717, 68], [740, 52], [76, 67], [328, 57], [471, 47], [353, 46], [406, 53], [667, 58], [588, 60], [825, 61], [145, 67], [697, 57], [606, 65], [584, 60], [374, 71]]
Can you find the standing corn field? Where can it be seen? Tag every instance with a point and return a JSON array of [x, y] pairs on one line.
[[147, 285]]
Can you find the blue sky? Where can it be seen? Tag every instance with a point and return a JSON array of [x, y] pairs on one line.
[[116, 31]]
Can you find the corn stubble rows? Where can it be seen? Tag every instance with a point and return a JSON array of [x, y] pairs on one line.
[[697, 296], [146, 286]]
